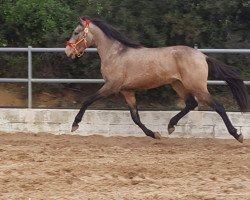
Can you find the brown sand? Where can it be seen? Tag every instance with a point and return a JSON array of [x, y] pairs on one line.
[[44, 166]]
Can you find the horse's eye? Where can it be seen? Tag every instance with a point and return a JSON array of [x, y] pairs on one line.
[[76, 33]]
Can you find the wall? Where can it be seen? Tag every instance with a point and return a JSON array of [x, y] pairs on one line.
[[58, 121]]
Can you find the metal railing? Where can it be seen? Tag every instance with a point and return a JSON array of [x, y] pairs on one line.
[[31, 80]]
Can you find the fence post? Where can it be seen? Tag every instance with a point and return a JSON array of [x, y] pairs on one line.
[[29, 77]]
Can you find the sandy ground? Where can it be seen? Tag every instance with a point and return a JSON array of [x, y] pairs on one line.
[[44, 166]]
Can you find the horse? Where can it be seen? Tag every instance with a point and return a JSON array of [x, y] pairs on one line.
[[127, 66]]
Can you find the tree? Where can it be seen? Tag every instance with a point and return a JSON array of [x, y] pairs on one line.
[[34, 22]]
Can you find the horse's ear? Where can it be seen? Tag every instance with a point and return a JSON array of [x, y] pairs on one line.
[[81, 21]]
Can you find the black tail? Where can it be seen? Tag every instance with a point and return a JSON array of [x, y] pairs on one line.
[[232, 77]]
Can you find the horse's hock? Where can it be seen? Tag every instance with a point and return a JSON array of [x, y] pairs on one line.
[[113, 123]]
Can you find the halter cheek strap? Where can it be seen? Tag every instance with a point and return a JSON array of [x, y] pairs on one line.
[[82, 39]]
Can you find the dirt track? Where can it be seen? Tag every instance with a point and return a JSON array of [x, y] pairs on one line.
[[44, 166]]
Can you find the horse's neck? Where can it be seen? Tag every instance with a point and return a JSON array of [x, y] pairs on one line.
[[105, 46]]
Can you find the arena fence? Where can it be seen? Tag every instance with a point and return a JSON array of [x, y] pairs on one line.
[[31, 80]]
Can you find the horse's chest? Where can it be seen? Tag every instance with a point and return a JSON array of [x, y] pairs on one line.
[[109, 72]]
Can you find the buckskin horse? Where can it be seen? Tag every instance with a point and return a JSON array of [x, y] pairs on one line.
[[127, 66]]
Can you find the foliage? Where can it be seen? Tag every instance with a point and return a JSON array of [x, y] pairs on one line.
[[34, 22], [154, 23]]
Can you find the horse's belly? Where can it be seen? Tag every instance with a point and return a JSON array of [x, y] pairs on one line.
[[147, 81]]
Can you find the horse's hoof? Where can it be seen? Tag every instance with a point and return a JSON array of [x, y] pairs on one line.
[[171, 130], [74, 128], [157, 135], [240, 138]]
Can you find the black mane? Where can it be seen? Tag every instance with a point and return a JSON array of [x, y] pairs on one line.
[[112, 33]]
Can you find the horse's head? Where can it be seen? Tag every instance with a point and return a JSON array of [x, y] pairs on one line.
[[80, 39]]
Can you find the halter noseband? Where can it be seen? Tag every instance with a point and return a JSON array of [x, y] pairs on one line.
[[83, 39]]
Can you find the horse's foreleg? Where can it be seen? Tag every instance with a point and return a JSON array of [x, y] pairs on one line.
[[191, 104], [131, 101], [105, 91]]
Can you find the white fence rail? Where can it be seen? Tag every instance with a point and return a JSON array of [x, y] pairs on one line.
[[31, 80]]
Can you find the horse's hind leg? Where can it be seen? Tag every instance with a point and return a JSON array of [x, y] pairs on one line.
[[131, 101], [210, 101], [190, 102]]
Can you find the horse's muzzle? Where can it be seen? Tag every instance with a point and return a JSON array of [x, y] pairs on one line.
[[70, 52]]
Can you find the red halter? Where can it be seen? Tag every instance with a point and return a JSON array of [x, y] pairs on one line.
[[83, 39]]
